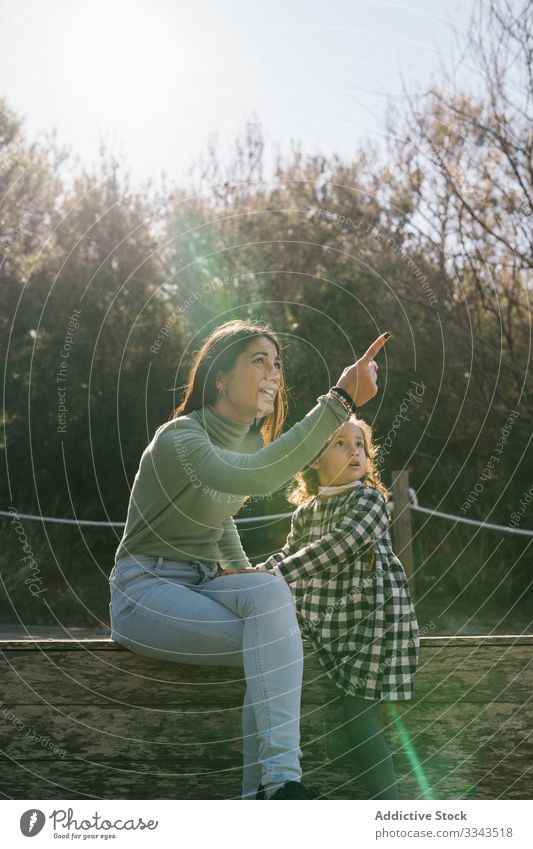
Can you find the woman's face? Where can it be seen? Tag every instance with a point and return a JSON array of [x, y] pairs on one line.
[[251, 386], [344, 460]]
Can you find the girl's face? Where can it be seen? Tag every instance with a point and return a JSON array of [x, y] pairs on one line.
[[251, 386], [344, 460]]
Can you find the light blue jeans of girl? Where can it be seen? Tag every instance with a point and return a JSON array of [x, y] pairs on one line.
[[179, 611]]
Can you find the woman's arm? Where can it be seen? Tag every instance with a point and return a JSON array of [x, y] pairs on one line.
[[291, 545], [184, 451], [232, 553], [184, 443], [354, 533]]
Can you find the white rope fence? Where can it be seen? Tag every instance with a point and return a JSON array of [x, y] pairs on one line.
[[437, 514], [485, 525]]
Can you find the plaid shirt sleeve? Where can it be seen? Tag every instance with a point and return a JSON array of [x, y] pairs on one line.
[[365, 523], [291, 544]]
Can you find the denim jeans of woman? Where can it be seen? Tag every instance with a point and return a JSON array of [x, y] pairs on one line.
[[179, 611]]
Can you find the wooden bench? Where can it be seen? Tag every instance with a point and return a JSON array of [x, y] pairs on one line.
[[86, 718]]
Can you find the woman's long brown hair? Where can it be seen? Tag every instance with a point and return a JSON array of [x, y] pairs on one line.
[[219, 352]]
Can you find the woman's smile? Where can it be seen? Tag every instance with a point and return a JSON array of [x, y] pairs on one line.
[[267, 394]]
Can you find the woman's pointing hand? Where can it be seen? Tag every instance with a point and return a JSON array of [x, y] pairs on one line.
[[359, 380]]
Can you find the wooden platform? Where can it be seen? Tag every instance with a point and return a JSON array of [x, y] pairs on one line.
[[82, 717]]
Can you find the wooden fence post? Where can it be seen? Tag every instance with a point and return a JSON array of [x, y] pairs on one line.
[[401, 524]]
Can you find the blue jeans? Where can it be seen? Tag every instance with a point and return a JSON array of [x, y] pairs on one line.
[[179, 611]]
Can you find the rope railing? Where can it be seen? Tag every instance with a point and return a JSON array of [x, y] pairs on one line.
[[489, 526]]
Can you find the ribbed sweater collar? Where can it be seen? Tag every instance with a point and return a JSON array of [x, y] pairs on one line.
[[335, 490], [224, 431]]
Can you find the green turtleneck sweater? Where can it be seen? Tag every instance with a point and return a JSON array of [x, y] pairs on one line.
[[195, 472]]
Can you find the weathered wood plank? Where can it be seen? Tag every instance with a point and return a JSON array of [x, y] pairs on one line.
[[83, 780], [476, 783], [479, 674], [131, 727], [449, 749], [51, 632], [140, 733], [118, 675], [79, 644]]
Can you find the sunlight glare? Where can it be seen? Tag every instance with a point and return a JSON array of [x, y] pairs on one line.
[[122, 62]]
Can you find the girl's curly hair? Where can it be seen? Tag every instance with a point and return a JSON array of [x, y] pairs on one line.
[[306, 482]]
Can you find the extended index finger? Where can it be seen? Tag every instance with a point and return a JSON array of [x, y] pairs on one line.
[[377, 345]]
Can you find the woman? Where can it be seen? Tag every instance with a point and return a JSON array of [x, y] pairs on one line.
[[170, 597]]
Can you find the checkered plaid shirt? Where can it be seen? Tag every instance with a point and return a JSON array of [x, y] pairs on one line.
[[351, 593]]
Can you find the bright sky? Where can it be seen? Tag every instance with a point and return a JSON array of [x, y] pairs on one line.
[[154, 78]]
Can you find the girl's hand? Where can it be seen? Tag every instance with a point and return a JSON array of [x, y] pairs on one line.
[[234, 572], [360, 379]]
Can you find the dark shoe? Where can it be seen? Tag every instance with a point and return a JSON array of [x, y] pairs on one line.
[[290, 790]]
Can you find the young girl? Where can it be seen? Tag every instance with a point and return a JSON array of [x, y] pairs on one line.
[[351, 593]]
